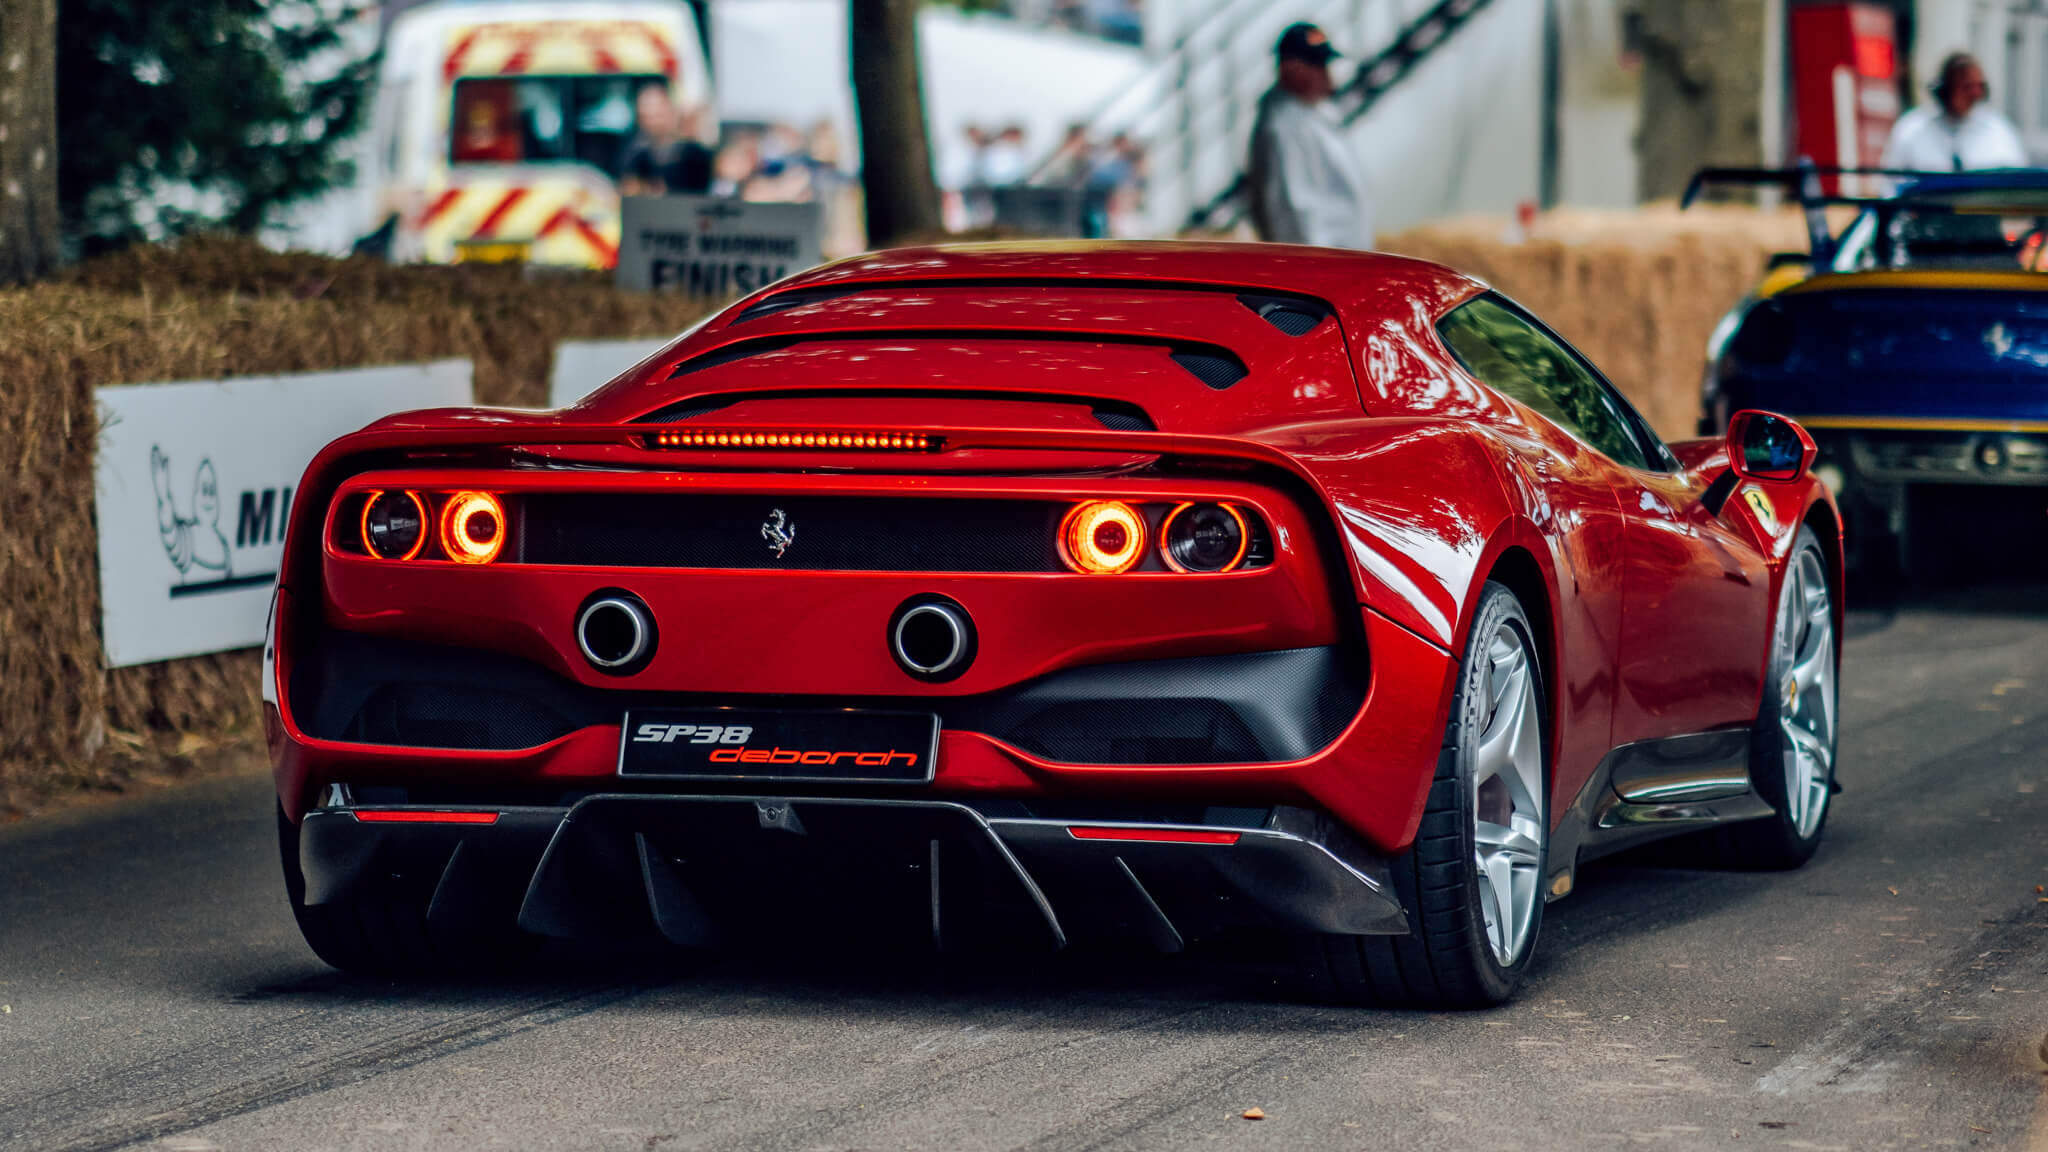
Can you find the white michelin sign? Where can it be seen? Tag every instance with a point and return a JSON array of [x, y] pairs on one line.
[[194, 489]]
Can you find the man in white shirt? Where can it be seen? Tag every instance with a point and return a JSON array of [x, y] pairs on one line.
[[1959, 130], [1305, 187]]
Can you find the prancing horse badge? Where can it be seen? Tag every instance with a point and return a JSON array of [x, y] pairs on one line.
[[778, 532]]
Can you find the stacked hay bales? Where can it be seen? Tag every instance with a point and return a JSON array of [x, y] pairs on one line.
[[206, 310], [1638, 292]]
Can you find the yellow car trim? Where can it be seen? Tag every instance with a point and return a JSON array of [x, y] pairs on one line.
[[1923, 424], [1783, 278], [1920, 278]]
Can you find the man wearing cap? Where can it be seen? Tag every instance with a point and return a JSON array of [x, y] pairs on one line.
[[1959, 130], [1305, 187]]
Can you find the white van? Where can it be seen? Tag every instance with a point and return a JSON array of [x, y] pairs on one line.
[[499, 124]]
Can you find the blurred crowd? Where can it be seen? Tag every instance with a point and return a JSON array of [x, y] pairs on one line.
[[667, 154], [1086, 187], [1120, 20]]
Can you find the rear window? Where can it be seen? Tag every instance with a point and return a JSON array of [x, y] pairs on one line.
[[545, 120]]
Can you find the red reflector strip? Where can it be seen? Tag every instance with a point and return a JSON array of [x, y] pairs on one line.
[[427, 817], [873, 440], [1154, 835]]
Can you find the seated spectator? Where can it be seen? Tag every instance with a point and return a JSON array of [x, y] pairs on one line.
[[1004, 162], [659, 160], [736, 164]]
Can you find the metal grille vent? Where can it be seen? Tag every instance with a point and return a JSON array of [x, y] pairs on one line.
[[1120, 421], [786, 301], [1295, 317], [1218, 371]]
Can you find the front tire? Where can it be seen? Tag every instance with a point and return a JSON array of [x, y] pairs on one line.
[[1792, 748], [1472, 884]]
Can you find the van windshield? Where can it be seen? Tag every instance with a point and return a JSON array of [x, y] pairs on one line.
[[1981, 229], [546, 120]]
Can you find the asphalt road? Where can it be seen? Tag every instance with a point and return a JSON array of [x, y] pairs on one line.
[[154, 992]]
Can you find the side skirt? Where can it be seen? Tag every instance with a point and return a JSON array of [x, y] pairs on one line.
[[1653, 789]]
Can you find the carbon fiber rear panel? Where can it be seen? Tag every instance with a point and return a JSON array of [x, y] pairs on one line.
[[831, 533]]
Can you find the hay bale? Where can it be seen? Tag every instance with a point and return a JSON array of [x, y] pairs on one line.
[[1637, 292], [211, 309]]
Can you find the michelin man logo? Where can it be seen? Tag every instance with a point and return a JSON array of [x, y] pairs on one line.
[[193, 541]]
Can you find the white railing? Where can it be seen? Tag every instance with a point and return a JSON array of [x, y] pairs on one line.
[[1192, 108]]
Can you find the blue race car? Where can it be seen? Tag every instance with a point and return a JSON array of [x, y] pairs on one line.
[[1913, 344]]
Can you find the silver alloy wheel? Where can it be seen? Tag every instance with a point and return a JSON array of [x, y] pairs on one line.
[[1806, 699], [1508, 826]]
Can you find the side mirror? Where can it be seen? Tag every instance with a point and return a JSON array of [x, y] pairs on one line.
[[1767, 446]]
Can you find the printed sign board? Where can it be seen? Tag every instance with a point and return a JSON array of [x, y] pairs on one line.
[[194, 489], [582, 366], [707, 246]]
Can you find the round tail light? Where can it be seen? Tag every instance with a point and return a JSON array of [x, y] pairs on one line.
[[1102, 536], [473, 527], [1204, 538], [394, 525]]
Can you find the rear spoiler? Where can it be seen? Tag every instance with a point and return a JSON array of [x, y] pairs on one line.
[[1804, 183]]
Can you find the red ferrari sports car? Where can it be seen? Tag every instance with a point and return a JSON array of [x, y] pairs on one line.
[[1021, 595]]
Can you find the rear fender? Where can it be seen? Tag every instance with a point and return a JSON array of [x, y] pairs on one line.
[[1421, 512]]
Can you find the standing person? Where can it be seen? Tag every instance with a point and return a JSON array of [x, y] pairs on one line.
[[1069, 165], [659, 160], [1958, 130], [1111, 183], [1305, 187]]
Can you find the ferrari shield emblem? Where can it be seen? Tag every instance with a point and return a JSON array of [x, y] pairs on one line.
[[1762, 507]]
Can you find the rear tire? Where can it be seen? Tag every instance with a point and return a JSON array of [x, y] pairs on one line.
[[369, 935], [1472, 883]]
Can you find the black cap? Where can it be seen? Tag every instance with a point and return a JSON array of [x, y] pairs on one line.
[[1305, 42]]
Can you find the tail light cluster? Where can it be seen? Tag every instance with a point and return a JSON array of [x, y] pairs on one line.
[[1105, 537], [465, 527], [1094, 537]]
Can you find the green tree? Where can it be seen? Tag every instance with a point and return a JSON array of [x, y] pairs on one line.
[[200, 113], [28, 140]]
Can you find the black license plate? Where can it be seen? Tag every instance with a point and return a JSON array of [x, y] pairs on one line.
[[722, 744]]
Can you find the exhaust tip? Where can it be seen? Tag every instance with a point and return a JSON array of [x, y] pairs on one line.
[[615, 632], [932, 638]]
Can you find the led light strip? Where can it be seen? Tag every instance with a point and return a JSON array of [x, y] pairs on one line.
[[869, 441], [1142, 834], [387, 816]]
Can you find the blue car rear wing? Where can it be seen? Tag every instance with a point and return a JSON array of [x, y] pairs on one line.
[[2006, 191]]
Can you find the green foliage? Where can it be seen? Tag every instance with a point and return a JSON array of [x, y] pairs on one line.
[[199, 114]]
